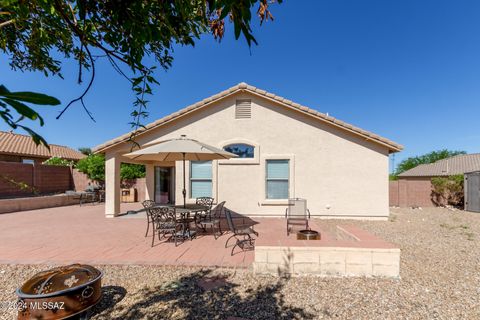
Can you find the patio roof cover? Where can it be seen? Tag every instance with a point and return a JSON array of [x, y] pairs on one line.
[[180, 149]]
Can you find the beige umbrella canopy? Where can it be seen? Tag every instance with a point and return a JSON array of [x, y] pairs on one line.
[[180, 149]]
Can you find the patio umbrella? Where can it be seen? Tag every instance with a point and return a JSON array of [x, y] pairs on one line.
[[180, 149]]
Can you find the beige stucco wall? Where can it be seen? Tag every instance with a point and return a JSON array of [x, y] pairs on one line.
[[339, 173]]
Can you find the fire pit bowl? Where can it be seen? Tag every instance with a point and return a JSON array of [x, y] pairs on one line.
[[308, 235], [60, 292]]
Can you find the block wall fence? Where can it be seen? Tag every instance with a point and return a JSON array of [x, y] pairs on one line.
[[23, 180], [412, 192]]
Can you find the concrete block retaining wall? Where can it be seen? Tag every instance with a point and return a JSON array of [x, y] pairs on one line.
[[32, 203], [327, 261]]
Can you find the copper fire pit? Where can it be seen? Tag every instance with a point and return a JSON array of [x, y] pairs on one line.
[[308, 235], [60, 292]]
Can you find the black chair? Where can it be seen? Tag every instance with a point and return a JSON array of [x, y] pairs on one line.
[[206, 202], [297, 214], [241, 232], [213, 220], [165, 222], [148, 205]]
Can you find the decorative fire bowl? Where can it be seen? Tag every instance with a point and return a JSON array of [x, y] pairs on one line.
[[60, 292], [308, 235]]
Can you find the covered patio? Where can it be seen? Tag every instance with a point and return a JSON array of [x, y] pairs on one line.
[[169, 156]]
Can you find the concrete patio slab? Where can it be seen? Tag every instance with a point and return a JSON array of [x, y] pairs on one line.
[[74, 234], [82, 234]]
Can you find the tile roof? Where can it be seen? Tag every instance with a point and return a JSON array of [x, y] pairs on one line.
[[459, 164], [19, 144], [243, 87]]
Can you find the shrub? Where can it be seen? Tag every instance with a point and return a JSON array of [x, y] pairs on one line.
[[448, 190], [56, 161], [93, 166], [129, 171]]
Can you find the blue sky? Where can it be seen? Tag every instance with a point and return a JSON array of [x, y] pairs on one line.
[[407, 70]]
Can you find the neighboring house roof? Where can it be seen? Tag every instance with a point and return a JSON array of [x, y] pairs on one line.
[[243, 87], [22, 145], [459, 164]]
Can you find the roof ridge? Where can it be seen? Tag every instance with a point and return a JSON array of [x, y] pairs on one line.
[[21, 144], [457, 156], [265, 94], [29, 137], [455, 165]]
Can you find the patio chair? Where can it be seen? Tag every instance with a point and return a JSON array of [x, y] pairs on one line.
[[297, 214], [206, 202], [165, 222], [213, 220], [241, 233], [148, 205]]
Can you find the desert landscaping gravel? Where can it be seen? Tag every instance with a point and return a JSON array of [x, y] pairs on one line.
[[440, 279]]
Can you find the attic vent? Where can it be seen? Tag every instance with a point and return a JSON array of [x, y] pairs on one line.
[[243, 109]]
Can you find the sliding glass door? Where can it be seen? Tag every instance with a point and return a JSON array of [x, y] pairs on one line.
[[164, 185]]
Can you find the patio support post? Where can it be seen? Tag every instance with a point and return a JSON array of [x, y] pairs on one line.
[[150, 182], [112, 185], [184, 191]]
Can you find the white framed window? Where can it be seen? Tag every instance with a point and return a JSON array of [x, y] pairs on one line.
[[277, 180], [200, 179]]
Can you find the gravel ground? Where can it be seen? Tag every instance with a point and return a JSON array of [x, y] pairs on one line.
[[440, 279]]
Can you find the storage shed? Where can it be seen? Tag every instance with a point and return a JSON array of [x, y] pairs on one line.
[[472, 191]]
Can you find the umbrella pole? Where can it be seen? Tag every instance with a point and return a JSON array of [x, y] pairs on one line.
[[184, 191]]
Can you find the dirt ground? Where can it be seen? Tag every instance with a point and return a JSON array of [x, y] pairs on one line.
[[440, 279]]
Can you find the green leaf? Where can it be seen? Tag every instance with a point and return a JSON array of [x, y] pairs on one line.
[[82, 9], [35, 137], [237, 30], [32, 97], [136, 81], [24, 110], [3, 90]]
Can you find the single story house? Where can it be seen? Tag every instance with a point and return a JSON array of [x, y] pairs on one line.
[[21, 148], [284, 149], [414, 187]]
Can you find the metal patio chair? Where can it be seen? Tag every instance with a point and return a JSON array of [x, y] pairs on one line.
[[207, 202], [297, 214], [213, 220], [149, 210], [165, 222], [241, 233]]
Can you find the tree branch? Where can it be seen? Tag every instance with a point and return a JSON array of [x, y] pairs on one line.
[[84, 92], [94, 43], [117, 68], [6, 23]]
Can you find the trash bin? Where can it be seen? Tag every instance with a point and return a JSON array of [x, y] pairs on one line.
[[129, 195]]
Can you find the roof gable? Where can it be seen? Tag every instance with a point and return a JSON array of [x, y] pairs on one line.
[[243, 87]]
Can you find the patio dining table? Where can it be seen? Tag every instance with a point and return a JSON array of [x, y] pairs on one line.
[[184, 212]]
